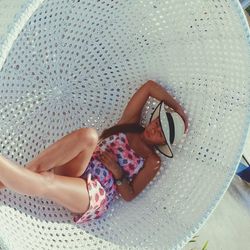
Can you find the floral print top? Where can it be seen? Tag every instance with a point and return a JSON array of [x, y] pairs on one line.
[[128, 160]]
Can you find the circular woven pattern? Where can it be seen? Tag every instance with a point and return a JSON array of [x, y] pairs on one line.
[[77, 63]]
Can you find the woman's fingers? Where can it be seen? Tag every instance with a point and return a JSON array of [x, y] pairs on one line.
[[106, 157]]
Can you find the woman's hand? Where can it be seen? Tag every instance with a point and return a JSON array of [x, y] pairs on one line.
[[109, 160]]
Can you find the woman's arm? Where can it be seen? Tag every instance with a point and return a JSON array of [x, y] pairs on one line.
[[132, 112], [129, 191], [142, 179], [1, 185]]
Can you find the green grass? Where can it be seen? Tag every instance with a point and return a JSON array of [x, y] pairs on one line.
[[248, 10]]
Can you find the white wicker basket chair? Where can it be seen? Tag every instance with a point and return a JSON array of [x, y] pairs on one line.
[[70, 64]]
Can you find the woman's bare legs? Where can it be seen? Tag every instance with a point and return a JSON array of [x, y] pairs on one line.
[[69, 156], [69, 192]]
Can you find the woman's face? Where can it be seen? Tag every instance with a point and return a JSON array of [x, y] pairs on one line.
[[153, 134]]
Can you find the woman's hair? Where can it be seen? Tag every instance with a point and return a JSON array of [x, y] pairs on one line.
[[125, 128]]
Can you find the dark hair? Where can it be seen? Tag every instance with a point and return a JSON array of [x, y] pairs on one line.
[[125, 128]]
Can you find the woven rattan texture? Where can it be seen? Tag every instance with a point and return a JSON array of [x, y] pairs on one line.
[[77, 63]]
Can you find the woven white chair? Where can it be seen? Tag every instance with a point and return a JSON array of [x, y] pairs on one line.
[[70, 64]]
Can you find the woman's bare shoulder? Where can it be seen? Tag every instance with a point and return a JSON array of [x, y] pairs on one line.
[[139, 147]]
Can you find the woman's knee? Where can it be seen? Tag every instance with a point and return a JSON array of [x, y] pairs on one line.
[[88, 136]]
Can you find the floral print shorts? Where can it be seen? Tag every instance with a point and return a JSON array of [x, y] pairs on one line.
[[98, 201]]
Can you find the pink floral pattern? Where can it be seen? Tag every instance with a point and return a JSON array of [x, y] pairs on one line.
[[101, 181], [98, 202]]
